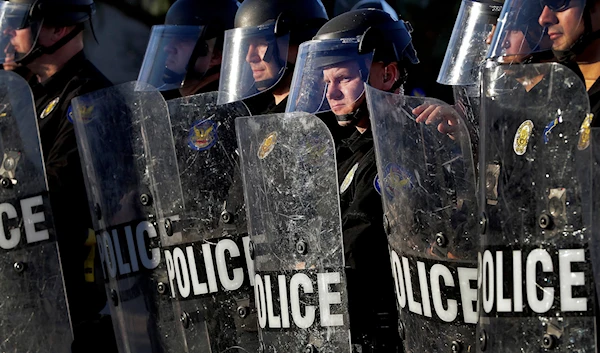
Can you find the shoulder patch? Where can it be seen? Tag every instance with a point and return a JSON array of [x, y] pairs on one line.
[[584, 132], [377, 185], [397, 179], [202, 135], [49, 108], [522, 137], [348, 179]]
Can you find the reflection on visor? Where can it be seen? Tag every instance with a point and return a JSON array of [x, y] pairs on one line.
[[556, 5]]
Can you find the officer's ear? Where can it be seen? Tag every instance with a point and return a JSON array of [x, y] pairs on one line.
[[384, 76], [57, 33]]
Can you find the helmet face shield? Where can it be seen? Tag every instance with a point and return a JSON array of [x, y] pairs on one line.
[[526, 27], [254, 60], [467, 47], [170, 53], [17, 34], [330, 75]]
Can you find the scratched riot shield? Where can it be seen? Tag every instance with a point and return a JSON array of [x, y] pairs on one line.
[[207, 247], [117, 131], [291, 192], [34, 314], [536, 283], [427, 184]]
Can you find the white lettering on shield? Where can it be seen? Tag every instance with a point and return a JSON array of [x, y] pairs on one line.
[[517, 281], [10, 238], [435, 290], [195, 270], [124, 255], [301, 300]]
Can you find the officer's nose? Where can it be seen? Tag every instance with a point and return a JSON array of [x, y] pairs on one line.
[[252, 55], [333, 91], [547, 17]]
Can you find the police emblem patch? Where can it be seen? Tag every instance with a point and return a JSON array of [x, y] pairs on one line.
[[522, 137], [202, 135], [267, 145], [49, 108], [84, 113], [396, 179], [584, 132], [348, 179]]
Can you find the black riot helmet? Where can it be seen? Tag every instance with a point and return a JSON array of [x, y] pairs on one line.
[[352, 41], [255, 54], [181, 49], [22, 20], [376, 4]]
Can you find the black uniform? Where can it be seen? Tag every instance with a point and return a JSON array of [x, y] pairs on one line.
[[373, 313], [594, 94], [67, 189]]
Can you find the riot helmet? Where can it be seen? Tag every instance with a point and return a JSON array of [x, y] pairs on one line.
[[332, 69], [467, 47], [22, 20], [182, 48], [255, 54], [376, 4]]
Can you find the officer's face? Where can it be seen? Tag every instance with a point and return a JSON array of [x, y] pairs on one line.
[[263, 59], [179, 52], [344, 87], [564, 27], [21, 40]]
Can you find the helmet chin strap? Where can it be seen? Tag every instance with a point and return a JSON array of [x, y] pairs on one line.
[[582, 42], [39, 50]]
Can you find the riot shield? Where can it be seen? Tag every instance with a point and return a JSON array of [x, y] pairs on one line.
[[427, 184], [291, 192], [536, 284], [34, 314], [124, 138], [206, 248]]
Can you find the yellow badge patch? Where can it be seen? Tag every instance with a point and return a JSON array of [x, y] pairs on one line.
[[348, 179], [522, 137], [49, 108], [584, 132], [267, 145]]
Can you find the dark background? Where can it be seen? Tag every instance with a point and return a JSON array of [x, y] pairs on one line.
[[123, 30]]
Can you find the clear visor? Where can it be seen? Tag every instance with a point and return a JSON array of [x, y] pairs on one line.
[[169, 53], [329, 75], [469, 43], [18, 36], [254, 60], [526, 27]]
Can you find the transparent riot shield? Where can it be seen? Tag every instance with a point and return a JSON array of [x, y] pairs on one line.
[[206, 248], [125, 141], [291, 192], [33, 315], [427, 184], [536, 283]]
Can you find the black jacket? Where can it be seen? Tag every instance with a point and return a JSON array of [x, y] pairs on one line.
[[594, 94], [65, 179], [373, 313]]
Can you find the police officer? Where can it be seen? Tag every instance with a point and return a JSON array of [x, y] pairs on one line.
[[184, 55], [359, 46], [574, 29], [46, 37], [259, 54]]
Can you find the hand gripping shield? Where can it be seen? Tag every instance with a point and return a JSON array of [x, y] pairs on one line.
[[291, 191], [117, 131], [206, 248], [427, 182], [536, 284], [34, 314]]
